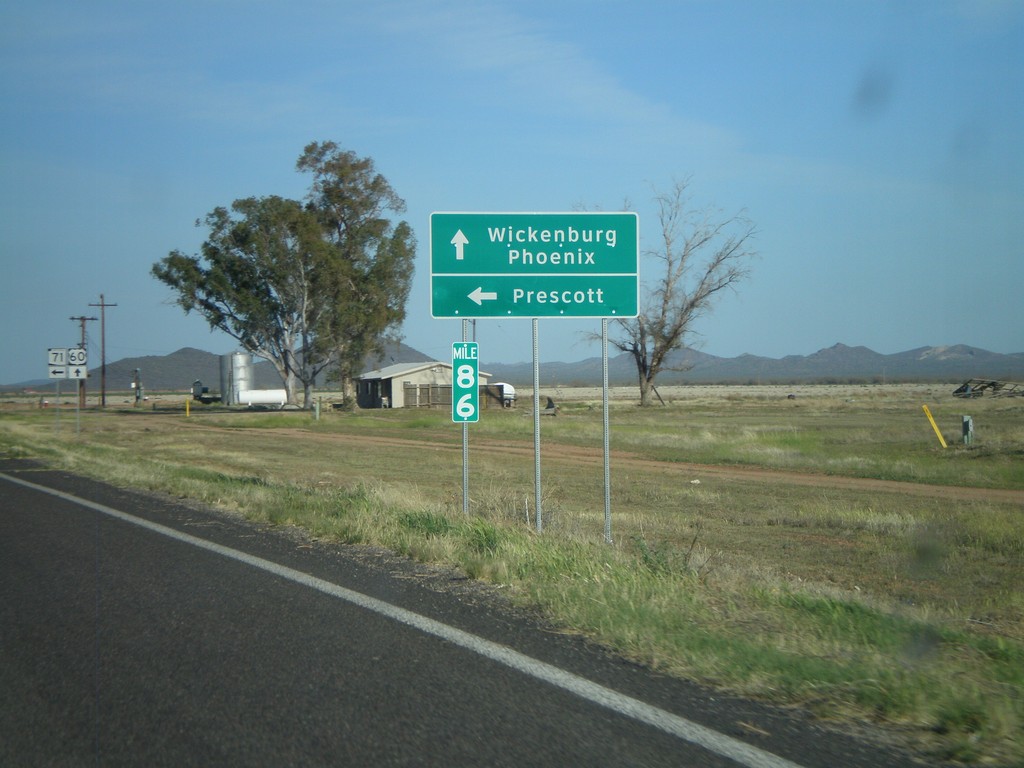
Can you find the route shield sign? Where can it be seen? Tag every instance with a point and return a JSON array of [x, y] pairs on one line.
[[57, 362], [465, 382], [534, 265], [78, 361], [66, 363]]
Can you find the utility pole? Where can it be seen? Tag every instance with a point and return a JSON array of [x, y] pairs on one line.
[[103, 349], [82, 320]]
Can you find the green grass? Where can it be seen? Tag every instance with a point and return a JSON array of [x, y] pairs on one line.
[[897, 609]]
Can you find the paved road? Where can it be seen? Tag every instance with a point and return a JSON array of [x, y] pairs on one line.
[[138, 631]]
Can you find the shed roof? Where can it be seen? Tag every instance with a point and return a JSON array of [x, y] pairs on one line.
[[404, 369], [399, 369]]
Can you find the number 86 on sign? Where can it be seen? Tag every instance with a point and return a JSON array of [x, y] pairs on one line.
[[465, 382]]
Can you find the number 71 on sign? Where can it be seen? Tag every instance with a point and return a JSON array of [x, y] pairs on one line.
[[465, 382]]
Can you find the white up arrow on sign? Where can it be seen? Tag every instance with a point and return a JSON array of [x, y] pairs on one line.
[[460, 241]]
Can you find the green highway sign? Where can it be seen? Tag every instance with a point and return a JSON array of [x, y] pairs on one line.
[[465, 382], [534, 265], [473, 296]]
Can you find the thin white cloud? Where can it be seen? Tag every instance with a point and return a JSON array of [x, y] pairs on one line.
[[532, 67], [988, 16], [99, 61]]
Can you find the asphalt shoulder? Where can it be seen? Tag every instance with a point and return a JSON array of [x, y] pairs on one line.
[[446, 595]]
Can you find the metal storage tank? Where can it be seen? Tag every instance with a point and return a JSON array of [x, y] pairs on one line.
[[236, 375]]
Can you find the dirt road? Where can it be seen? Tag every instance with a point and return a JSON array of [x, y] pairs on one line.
[[575, 456]]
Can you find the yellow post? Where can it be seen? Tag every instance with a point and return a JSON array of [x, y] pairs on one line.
[[186, 407], [934, 425]]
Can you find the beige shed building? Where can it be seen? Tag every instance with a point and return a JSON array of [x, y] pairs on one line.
[[413, 385]]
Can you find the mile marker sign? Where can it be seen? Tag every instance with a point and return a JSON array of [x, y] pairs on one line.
[[534, 265], [465, 382]]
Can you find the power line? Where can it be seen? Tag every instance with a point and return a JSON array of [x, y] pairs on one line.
[[103, 348], [82, 320]]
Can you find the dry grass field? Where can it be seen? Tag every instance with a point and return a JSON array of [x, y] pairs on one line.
[[809, 545]]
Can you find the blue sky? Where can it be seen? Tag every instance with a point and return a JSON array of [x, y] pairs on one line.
[[877, 146]]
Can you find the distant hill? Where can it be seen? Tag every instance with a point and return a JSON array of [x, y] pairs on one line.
[[836, 364], [178, 370]]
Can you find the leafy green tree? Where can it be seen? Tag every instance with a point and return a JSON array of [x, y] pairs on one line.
[[260, 279], [375, 257], [305, 286]]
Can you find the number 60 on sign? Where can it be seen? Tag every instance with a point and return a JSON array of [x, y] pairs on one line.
[[465, 382]]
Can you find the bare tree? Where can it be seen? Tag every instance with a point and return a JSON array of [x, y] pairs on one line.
[[701, 254]]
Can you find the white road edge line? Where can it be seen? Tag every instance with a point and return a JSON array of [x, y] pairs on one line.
[[680, 727]]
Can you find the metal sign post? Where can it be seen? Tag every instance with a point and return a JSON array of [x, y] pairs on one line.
[[536, 427], [607, 452]]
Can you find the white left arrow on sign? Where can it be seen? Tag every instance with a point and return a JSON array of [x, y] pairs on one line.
[[460, 241], [480, 296]]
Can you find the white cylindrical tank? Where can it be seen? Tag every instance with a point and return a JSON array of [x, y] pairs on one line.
[[251, 397], [236, 376]]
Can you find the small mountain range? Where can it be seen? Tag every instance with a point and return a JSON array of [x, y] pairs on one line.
[[837, 364]]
